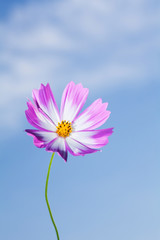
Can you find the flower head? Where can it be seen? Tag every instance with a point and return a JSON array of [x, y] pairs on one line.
[[67, 130]]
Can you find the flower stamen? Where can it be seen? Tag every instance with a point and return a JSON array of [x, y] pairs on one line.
[[64, 129]]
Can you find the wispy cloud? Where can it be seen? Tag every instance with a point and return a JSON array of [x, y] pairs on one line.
[[103, 43]]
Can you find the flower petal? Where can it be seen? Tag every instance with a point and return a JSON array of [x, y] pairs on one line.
[[76, 148], [38, 119], [41, 138], [44, 100], [93, 138], [93, 117], [58, 145], [73, 99]]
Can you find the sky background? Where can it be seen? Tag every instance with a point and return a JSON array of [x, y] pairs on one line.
[[112, 48]]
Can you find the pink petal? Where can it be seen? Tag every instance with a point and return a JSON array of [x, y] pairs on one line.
[[93, 138], [41, 138], [58, 145], [73, 99], [44, 100], [38, 119], [93, 117], [77, 148]]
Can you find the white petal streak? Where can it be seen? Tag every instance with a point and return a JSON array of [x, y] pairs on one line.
[[93, 117], [45, 136], [45, 100], [53, 113], [84, 137], [76, 148], [57, 145], [73, 99], [45, 121], [93, 138]]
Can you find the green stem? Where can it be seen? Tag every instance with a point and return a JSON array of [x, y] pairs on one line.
[[46, 188]]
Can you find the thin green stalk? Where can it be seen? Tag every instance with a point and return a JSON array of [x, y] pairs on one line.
[[46, 188]]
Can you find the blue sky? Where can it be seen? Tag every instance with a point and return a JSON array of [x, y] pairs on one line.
[[113, 48]]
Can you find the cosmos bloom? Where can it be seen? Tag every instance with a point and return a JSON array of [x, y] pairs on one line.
[[67, 130]]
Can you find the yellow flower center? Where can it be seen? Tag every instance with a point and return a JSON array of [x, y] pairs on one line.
[[64, 129]]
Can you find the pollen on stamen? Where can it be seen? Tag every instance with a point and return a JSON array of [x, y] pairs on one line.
[[64, 129]]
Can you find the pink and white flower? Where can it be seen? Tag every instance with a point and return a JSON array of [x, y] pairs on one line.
[[67, 130]]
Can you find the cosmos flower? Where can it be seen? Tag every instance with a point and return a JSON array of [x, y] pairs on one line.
[[67, 130]]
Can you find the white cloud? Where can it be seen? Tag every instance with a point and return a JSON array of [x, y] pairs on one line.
[[99, 43]]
